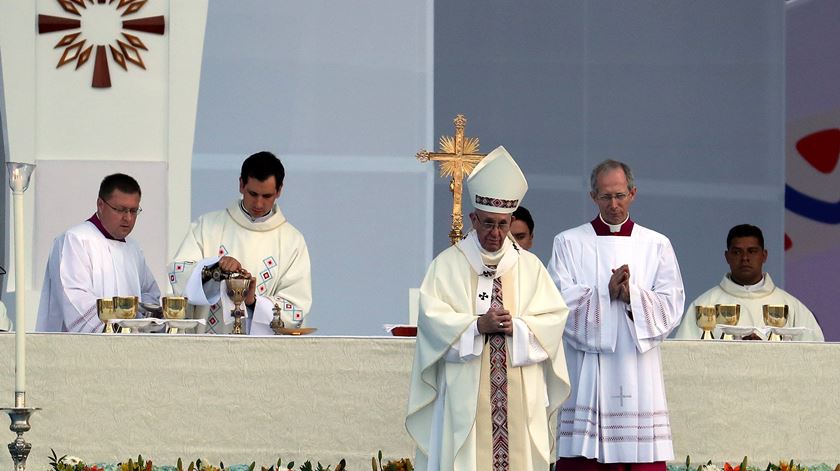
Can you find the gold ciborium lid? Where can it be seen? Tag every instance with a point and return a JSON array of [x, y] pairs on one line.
[[706, 317], [174, 307], [728, 314], [775, 315]]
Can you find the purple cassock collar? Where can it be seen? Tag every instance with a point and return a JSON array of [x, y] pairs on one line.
[[603, 229], [96, 222]]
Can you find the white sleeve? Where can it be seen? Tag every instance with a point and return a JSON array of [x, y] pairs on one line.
[[468, 347], [526, 350], [202, 294]]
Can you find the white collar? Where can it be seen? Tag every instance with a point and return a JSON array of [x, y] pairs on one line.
[[614, 227], [264, 218]]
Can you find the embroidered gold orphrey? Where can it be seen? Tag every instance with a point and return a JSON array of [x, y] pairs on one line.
[[125, 47], [458, 156]]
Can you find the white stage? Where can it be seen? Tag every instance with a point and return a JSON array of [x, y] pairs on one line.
[[237, 399]]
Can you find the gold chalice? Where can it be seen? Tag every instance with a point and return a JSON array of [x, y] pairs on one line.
[[728, 314], [174, 307], [775, 315], [125, 307], [706, 320], [105, 309], [237, 289]]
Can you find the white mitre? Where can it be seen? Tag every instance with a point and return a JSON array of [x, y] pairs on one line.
[[496, 184]]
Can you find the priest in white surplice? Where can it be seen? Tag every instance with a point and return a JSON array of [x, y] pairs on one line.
[[96, 259], [749, 286], [489, 372], [625, 295], [253, 237]]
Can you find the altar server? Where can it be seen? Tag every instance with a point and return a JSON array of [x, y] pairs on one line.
[[96, 259], [251, 236], [748, 285], [625, 295], [489, 372]]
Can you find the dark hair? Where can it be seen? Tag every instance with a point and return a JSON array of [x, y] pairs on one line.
[[118, 181], [744, 230], [522, 214], [261, 166], [610, 164]]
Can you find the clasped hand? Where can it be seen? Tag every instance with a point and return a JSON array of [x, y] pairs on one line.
[[231, 265], [495, 321], [620, 284]]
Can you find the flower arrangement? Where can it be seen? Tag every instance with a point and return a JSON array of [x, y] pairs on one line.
[[783, 465], [403, 464], [72, 463]]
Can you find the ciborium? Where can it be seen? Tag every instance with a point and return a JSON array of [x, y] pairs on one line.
[[105, 309], [728, 314], [706, 319], [174, 307], [125, 307], [237, 287], [775, 315]]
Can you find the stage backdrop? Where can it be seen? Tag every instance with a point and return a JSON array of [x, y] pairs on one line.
[[92, 89], [812, 196], [342, 93], [690, 94]]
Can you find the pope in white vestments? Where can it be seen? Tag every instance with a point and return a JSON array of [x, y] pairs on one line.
[[625, 294], [748, 285], [253, 235], [96, 259], [489, 372]]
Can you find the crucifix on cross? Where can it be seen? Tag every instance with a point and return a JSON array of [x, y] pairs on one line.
[[458, 157], [621, 396]]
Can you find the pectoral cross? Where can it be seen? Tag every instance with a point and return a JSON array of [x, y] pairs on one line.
[[458, 157], [621, 396]]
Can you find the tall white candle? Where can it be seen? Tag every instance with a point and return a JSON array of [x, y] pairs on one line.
[[19, 174], [20, 317]]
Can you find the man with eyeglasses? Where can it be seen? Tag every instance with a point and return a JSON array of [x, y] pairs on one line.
[[96, 259], [489, 372], [625, 294], [251, 237]]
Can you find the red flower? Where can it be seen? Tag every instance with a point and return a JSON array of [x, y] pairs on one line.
[[728, 467]]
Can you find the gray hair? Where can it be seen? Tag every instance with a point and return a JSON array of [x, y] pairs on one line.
[[607, 165]]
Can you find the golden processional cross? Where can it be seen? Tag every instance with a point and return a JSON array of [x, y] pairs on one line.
[[458, 156]]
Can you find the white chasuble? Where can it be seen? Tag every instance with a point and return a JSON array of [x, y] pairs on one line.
[[270, 248], [616, 412], [752, 299], [449, 412], [85, 266]]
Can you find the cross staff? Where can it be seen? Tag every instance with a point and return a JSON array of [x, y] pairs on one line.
[[458, 157]]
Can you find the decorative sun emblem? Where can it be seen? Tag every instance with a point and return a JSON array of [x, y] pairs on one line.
[[100, 24]]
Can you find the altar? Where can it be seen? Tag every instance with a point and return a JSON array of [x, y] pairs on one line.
[[241, 399]]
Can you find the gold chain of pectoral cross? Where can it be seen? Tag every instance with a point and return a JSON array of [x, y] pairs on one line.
[[458, 156]]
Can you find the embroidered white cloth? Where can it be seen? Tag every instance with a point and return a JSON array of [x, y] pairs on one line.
[[272, 250], [751, 299], [617, 412], [85, 266]]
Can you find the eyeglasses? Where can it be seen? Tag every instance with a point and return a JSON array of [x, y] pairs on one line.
[[124, 211], [489, 226], [617, 197]]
